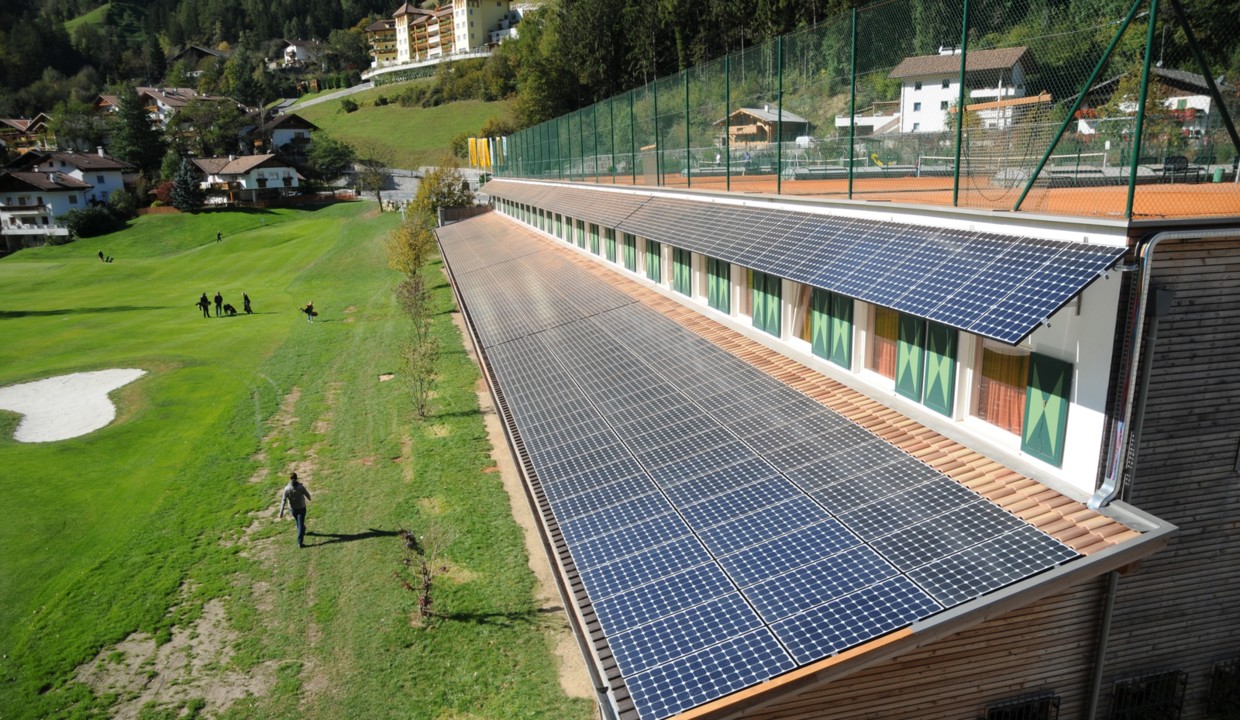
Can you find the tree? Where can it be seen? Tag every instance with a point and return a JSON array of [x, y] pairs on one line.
[[442, 187], [373, 161], [208, 127], [77, 126], [134, 138], [186, 195], [329, 158]]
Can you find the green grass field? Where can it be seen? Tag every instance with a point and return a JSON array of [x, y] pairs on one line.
[[415, 136], [94, 17], [137, 526]]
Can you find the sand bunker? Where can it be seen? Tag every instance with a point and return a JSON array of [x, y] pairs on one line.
[[66, 406]]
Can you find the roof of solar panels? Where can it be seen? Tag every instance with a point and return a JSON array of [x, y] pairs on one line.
[[727, 536]]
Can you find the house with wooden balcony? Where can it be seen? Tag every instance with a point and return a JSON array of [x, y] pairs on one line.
[[930, 87], [232, 179], [102, 173], [32, 203]]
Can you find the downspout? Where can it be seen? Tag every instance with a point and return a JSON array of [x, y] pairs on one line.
[[1122, 439]]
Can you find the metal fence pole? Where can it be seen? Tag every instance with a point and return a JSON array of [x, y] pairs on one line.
[[852, 102], [658, 156], [594, 119], [960, 111], [611, 111], [632, 138], [727, 120], [688, 169], [1139, 129], [779, 120]]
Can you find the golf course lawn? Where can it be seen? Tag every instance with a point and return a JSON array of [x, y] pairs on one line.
[[166, 516]]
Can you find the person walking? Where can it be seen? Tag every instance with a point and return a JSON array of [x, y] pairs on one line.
[[295, 496], [205, 305], [100, 256], [309, 311], [219, 303], [245, 304], [219, 236]]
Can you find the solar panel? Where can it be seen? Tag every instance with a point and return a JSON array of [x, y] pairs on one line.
[[673, 636], [708, 674], [714, 515], [643, 603]]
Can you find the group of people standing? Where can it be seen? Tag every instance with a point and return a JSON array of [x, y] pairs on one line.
[[223, 308]]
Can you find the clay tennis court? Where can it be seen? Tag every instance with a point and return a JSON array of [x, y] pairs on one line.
[[1152, 200]]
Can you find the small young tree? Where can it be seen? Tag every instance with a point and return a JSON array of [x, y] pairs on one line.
[[186, 195], [411, 244], [442, 187], [424, 561]]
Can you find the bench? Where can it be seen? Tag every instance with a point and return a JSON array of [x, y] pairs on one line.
[[1178, 165]]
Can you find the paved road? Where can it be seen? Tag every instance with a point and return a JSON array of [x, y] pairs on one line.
[[331, 96]]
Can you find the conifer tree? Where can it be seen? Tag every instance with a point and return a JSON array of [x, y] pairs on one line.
[[186, 195], [134, 138]]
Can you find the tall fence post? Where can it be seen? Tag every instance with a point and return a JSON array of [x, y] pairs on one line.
[[688, 168], [727, 121], [852, 102], [779, 119], [1142, 95], [611, 111], [594, 162], [632, 138], [960, 111], [559, 152], [581, 129], [658, 155]]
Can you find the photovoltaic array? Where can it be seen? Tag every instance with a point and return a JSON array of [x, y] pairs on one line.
[[997, 286], [726, 528]]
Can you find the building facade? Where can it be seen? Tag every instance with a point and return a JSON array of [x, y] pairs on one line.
[[930, 87]]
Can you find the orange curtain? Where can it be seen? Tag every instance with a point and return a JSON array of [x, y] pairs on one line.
[[1001, 389], [883, 343]]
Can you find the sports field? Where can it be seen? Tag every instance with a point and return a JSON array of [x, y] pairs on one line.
[[142, 571]]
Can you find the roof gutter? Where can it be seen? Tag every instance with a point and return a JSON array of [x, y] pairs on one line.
[[1124, 437]]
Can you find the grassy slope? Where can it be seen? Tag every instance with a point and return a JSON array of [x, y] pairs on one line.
[[104, 530], [94, 17], [416, 136]]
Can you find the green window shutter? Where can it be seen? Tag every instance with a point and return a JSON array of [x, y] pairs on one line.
[[841, 330], [910, 356], [719, 284], [654, 261], [681, 273], [820, 323], [630, 252], [1046, 408], [940, 388], [767, 291]]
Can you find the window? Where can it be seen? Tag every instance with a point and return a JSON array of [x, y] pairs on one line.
[[1027, 394], [99, 179], [884, 329], [719, 284], [947, 84], [767, 301], [630, 251], [1224, 698], [559, 226], [916, 127], [831, 321], [943, 104], [1156, 696], [38, 200], [682, 271], [1001, 386], [654, 264], [594, 246], [73, 199], [1039, 706], [581, 233], [916, 107], [917, 85]]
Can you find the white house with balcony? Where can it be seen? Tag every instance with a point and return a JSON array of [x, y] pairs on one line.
[[930, 87], [103, 173], [248, 178], [32, 203]]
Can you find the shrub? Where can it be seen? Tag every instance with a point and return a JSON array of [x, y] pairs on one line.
[[381, 101], [92, 221], [348, 105], [124, 202], [163, 193]]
